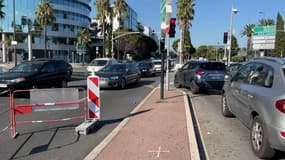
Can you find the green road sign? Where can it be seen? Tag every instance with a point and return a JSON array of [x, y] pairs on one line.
[[264, 30]]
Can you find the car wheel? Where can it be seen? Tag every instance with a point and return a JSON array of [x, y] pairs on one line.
[[193, 87], [63, 83], [259, 140], [176, 83], [123, 83], [225, 108]]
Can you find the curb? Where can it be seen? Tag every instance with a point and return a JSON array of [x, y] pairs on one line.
[[192, 139], [95, 152]]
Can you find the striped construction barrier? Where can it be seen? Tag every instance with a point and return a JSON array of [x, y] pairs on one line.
[[93, 97], [61, 103]]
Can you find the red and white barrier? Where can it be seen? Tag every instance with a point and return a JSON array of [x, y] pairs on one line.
[[16, 109], [93, 97]]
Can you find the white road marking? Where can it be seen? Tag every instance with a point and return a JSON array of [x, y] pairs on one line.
[[158, 151]]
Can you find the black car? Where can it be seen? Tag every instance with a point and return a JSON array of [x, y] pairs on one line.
[[147, 68], [118, 75], [36, 74], [201, 75]]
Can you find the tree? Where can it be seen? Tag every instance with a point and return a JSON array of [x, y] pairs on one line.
[[185, 14], [280, 36], [83, 38], [234, 46], [45, 17], [103, 11], [248, 31], [266, 22], [120, 9]]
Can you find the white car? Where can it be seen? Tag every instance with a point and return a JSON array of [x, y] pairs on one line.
[[96, 64], [157, 65]]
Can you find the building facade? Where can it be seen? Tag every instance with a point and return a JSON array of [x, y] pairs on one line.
[[71, 16]]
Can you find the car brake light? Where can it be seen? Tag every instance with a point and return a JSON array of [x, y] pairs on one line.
[[200, 72], [228, 73], [282, 134], [280, 105]]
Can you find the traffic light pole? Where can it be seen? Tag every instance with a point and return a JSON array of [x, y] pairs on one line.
[[162, 72], [167, 63]]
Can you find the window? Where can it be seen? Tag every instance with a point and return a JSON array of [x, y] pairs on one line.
[[242, 74]]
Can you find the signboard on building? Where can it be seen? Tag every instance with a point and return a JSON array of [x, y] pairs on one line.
[[263, 37]]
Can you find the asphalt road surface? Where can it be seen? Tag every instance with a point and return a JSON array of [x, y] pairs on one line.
[[59, 140]]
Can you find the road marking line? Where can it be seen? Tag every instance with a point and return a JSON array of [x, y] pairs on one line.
[[158, 151]]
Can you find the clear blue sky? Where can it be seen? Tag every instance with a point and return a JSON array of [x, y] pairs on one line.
[[212, 17]]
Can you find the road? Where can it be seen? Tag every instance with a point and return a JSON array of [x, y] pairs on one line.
[[59, 140], [224, 138]]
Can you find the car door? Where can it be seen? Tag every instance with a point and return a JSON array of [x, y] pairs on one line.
[[189, 73], [179, 76], [234, 90], [47, 75]]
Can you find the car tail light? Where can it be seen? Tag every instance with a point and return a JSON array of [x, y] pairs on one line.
[[280, 105], [282, 134], [200, 72], [228, 73]]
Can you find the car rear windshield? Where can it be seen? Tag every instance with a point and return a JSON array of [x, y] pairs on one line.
[[98, 63], [213, 66]]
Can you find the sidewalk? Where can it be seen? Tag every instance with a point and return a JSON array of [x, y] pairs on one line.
[[156, 129]]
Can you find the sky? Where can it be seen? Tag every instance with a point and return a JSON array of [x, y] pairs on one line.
[[212, 17]]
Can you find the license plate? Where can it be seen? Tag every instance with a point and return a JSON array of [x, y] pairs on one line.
[[3, 85]]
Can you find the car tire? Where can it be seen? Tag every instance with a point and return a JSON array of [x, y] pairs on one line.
[[176, 83], [123, 83], [63, 83], [225, 108], [193, 87], [259, 140]]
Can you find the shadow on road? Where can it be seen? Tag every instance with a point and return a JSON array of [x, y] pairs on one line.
[[100, 124]]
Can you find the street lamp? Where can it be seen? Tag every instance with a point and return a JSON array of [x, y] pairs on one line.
[[14, 32], [233, 11]]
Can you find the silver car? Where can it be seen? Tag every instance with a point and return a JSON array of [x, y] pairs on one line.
[[255, 95]]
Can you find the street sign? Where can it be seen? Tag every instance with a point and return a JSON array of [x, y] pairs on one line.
[[263, 37], [165, 13]]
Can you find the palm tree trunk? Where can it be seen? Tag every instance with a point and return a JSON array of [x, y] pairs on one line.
[[45, 43]]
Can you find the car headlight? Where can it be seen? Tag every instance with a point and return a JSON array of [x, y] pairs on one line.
[[114, 77], [17, 80]]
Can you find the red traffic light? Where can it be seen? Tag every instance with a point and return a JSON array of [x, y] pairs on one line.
[[225, 37], [172, 21]]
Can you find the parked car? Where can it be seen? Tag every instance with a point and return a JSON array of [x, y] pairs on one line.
[[118, 75], [36, 74], [255, 95], [200, 75], [96, 64], [146, 68]]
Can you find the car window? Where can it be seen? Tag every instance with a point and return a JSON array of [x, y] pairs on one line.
[[185, 66], [242, 75], [98, 62], [261, 76], [49, 67], [213, 66], [27, 67]]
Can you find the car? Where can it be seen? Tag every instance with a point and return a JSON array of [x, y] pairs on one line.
[[118, 75], [157, 65], [96, 64], [36, 74], [146, 68], [255, 95], [200, 75], [232, 69], [3, 69]]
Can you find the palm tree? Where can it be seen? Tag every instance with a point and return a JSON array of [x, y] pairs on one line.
[[266, 22], [103, 11], [120, 10], [45, 17], [83, 38], [2, 16], [185, 14], [248, 31]]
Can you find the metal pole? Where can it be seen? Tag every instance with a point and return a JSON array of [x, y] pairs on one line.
[[167, 64], [14, 31], [230, 38], [162, 76]]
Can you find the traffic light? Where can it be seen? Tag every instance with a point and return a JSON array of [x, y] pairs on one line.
[[225, 37], [172, 26]]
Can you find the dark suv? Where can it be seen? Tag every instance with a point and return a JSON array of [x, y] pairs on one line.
[[200, 75], [42, 73]]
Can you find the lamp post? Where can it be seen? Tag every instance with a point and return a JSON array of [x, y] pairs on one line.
[[14, 32], [233, 11]]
